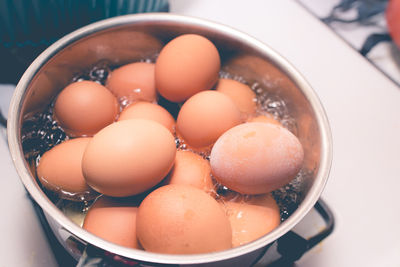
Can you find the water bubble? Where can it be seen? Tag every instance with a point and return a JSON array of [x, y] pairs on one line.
[[40, 133], [177, 142], [290, 196]]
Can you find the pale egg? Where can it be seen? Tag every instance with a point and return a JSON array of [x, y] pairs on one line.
[[264, 118], [256, 158]]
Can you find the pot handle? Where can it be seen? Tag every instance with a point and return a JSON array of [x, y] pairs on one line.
[[292, 246]]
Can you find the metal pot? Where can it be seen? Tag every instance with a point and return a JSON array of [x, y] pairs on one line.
[[129, 38]]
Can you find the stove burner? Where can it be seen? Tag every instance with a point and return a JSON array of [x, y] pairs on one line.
[[362, 23], [366, 11], [373, 40]]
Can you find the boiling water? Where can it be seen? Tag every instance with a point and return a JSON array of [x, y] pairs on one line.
[[40, 133]]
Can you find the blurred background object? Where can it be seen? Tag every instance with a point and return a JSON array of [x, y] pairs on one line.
[[27, 27], [393, 20]]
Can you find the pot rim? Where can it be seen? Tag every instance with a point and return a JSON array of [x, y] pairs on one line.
[[50, 209]]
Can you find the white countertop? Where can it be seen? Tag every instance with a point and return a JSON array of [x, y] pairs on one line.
[[363, 107], [23, 242]]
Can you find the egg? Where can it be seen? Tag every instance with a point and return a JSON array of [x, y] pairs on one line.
[[133, 82], [264, 118], [191, 169], [84, 108], [186, 65], [242, 95], [59, 169], [256, 158], [113, 220], [252, 219], [182, 219], [149, 111], [205, 116], [128, 157]]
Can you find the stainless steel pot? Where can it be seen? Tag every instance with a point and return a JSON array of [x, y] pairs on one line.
[[128, 38]]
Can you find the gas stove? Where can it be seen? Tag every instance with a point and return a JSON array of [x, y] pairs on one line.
[[362, 24]]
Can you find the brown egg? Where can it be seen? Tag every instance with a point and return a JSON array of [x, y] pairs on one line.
[[182, 219], [59, 169], [84, 108], [256, 158], [148, 111], [252, 219], [205, 116], [191, 169], [113, 220], [241, 95], [186, 65], [264, 118], [128, 157], [133, 82]]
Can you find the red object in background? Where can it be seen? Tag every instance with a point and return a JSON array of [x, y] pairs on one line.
[[393, 20]]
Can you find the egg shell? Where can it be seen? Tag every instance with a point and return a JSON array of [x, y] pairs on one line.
[[240, 94], [186, 65], [84, 108], [191, 169], [114, 221], [182, 219], [252, 219], [264, 118], [256, 158], [128, 157], [149, 111], [60, 167], [205, 116], [132, 82]]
